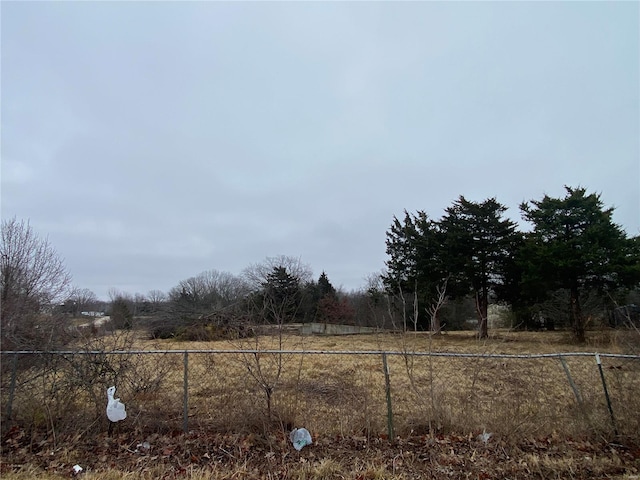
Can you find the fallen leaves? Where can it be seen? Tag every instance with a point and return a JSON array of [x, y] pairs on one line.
[[441, 456]]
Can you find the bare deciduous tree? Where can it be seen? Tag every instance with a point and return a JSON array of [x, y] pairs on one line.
[[33, 279], [208, 291], [156, 299], [156, 296], [379, 303], [83, 300], [258, 274], [274, 302], [438, 302]]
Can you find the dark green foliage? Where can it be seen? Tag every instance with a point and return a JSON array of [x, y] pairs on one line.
[[310, 296], [280, 298], [471, 249], [575, 246], [415, 267], [324, 286], [575, 250], [281, 287], [479, 250]]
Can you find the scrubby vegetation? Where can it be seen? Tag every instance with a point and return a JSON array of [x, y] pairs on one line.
[[440, 405]]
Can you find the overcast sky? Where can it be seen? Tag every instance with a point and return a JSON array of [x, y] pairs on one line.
[[153, 141]]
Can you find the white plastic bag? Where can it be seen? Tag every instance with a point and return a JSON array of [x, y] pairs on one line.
[[484, 436], [115, 408], [300, 437]]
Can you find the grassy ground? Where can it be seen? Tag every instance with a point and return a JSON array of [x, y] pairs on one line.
[[499, 341], [440, 406]]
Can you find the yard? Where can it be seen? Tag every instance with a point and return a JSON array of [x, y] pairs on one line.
[[547, 415]]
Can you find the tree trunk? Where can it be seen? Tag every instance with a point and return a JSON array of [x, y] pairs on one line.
[[577, 322], [434, 310], [268, 391], [435, 323], [415, 307], [482, 306]]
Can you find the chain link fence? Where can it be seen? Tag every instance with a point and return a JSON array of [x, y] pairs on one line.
[[331, 393]]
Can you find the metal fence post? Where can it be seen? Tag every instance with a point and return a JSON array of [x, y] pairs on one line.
[[185, 399], [387, 383], [12, 387], [606, 394]]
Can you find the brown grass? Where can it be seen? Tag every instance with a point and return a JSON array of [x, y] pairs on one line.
[[339, 398]]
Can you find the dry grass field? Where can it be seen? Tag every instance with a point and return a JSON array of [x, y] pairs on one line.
[[241, 406]]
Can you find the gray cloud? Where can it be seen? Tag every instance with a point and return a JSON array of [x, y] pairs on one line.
[[153, 141]]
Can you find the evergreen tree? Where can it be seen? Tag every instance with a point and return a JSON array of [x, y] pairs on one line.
[[415, 268], [576, 246], [330, 308], [479, 246], [281, 296], [324, 286]]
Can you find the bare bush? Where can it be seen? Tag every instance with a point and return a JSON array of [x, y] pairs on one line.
[[63, 392]]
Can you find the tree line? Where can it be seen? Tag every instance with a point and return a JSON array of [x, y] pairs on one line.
[[574, 250], [439, 273], [280, 290]]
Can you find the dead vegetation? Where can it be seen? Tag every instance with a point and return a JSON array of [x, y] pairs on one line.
[[541, 427], [202, 455]]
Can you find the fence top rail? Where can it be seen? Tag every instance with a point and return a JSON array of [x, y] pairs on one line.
[[322, 352]]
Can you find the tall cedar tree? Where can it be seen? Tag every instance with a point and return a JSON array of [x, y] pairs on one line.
[[479, 247], [415, 266], [324, 286], [576, 246]]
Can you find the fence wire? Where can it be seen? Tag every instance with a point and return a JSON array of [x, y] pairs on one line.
[[328, 392]]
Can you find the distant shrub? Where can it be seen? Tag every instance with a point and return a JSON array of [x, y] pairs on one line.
[[196, 330]]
